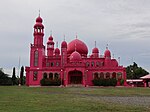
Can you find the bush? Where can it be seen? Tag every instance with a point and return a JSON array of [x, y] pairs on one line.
[[105, 82], [50, 82]]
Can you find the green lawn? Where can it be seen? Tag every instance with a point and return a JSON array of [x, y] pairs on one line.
[[77, 99]]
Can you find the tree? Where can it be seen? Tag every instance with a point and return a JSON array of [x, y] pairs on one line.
[[135, 72], [21, 75], [14, 79], [4, 79]]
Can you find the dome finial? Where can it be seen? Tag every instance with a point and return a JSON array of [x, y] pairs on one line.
[[51, 33], [64, 37], [95, 43], [39, 12], [57, 44], [113, 56], [107, 46], [76, 35]]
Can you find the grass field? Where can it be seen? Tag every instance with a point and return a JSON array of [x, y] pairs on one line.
[[74, 99]]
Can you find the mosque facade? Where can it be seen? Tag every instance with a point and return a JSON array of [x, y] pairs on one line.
[[71, 63]]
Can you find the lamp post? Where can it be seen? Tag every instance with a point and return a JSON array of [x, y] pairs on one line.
[[86, 78], [61, 77]]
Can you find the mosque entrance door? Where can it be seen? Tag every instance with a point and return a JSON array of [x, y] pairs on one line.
[[75, 77]]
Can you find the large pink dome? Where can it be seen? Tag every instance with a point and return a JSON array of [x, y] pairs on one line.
[[77, 45]]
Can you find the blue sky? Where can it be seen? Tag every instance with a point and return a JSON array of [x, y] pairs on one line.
[[123, 24]]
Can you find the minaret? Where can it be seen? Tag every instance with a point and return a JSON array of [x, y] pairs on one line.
[[63, 53], [38, 32], [37, 51], [50, 46]]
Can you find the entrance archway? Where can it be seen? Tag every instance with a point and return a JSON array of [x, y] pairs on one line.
[[75, 77]]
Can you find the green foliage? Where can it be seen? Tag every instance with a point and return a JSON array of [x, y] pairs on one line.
[[4, 79], [121, 82], [14, 79], [135, 72], [104, 82], [50, 82], [21, 76]]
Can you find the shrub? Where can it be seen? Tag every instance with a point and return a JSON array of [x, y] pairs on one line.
[[50, 82], [104, 82]]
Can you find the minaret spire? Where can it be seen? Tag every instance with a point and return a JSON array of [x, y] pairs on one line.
[[76, 35], [107, 46], [95, 43], [39, 12], [51, 33], [64, 37], [57, 44]]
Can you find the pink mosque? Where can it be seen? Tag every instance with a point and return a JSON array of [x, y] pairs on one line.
[[71, 63]]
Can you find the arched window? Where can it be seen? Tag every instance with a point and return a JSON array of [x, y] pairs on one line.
[[45, 75], [56, 76], [50, 75], [92, 64], [114, 75], [52, 64], [96, 75], [97, 64], [36, 56], [57, 63], [119, 75], [35, 74], [107, 75], [102, 75], [87, 64]]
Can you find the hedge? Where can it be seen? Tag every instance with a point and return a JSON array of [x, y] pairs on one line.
[[50, 82], [104, 82]]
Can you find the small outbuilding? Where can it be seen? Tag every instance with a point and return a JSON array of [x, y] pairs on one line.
[[146, 80]]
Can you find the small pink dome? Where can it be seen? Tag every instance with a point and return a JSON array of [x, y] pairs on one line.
[[64, 44], [50, 38], [39, 19], [115, 63], [57, 51], [39, 25], [95, 50], [78, 45], [107, 53], [75, 56]]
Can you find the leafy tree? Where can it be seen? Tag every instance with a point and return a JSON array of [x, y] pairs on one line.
[[135, 72], [21, 75], [4, 79]]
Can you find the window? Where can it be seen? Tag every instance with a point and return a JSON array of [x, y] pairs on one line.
[[107, 75], [113, 75], [36, 56], [92, 64], [56, 76], [45, 75], [35, 73], [102, 75], [52, 64], [57, 63], [87, 64], [50, 75], [97, 64], [47, 64], [95, 75]]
